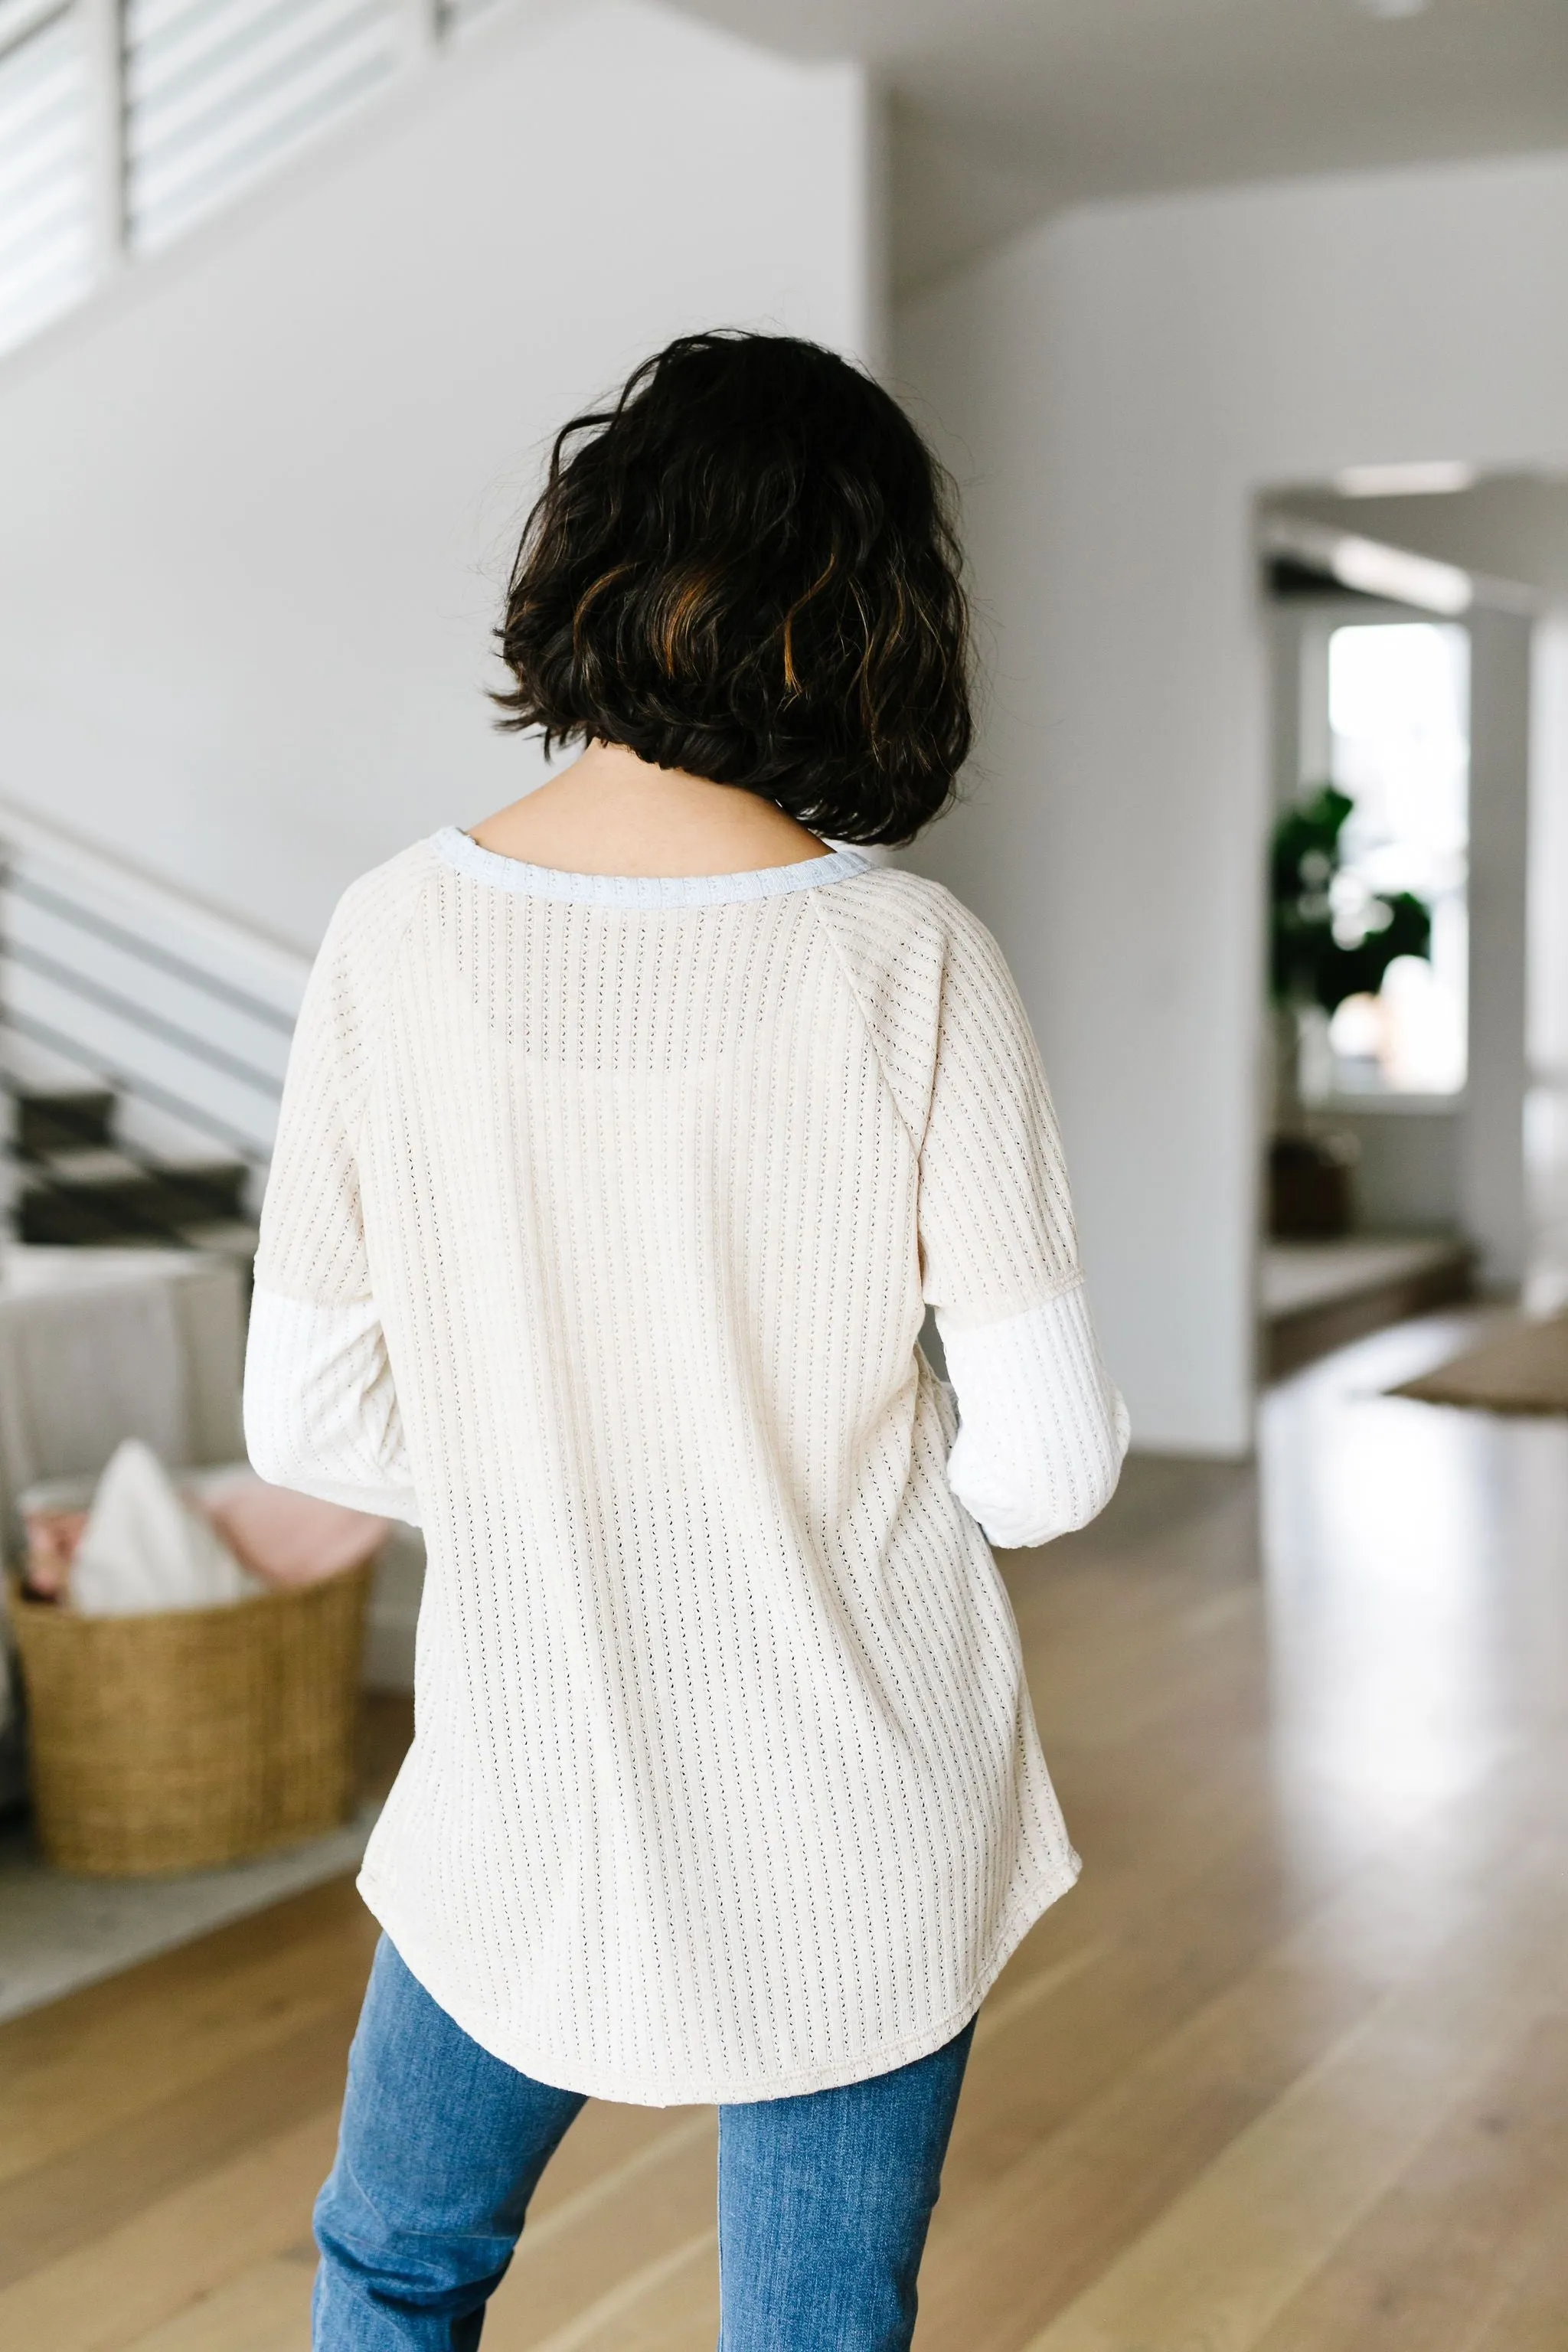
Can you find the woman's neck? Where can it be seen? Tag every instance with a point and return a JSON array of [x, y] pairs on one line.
[[611, 813]]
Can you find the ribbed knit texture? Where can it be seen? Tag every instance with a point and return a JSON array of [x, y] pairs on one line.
[[1043, 1432], [599, 1238]]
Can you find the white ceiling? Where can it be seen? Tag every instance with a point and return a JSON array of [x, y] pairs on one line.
[[1006, 109], [1511, 527]]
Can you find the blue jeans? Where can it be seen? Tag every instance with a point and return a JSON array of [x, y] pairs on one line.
[[824, 2200]]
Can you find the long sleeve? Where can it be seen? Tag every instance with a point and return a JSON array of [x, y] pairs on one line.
[[1042, 1431], [321, 1411], [320, 1403]]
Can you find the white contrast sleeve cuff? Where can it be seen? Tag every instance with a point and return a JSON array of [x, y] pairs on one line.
[[1042, 1432], [321, 1411]]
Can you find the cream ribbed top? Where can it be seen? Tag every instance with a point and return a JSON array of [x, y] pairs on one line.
[[602, 1226]]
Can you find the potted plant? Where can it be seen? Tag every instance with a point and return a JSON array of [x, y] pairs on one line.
[[1324, 945]]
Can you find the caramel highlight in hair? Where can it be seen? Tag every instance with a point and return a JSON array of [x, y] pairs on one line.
[[746, 568]]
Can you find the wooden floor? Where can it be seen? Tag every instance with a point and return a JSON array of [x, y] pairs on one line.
[[1287, 2072]]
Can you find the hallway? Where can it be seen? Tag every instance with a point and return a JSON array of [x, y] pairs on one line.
[[1288, 2071]]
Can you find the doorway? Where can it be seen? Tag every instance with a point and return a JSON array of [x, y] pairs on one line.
[[1412, 1110]]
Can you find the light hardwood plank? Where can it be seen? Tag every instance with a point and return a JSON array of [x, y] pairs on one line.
[[595, 2251], [57, 2098], [105, 2183], [1454, 2238], [553, 2217], [265, 2309], [1527, 2313], [101, 2296], [661, 2306], [1228, 2254]]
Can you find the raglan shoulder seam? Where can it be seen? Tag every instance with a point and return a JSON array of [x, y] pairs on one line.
[[421, 865], [868, 1027], [926, 894]]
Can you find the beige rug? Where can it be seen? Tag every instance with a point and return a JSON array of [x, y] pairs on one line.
[[57, 1933], [1523, 1369]]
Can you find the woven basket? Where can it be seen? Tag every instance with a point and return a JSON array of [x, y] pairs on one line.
[[175, 1741]]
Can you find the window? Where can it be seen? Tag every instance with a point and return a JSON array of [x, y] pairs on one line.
[[122, 127], [218, 92], [1399, 745], [46, 261]]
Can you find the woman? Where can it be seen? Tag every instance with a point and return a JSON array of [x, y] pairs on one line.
[[628, 1137]]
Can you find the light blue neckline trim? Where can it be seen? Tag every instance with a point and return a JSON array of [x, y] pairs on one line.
[[458, 849]]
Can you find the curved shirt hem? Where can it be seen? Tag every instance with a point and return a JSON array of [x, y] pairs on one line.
[[645, 2091]]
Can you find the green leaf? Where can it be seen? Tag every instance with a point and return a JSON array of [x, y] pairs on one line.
[[1307, 964]]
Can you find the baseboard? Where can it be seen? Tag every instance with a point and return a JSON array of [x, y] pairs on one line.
[[1290, 1341]]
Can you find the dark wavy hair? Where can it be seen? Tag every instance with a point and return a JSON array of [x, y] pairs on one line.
[[746, 568]]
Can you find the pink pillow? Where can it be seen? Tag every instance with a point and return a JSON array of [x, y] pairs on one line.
[[289, 1538], [52, 1539]]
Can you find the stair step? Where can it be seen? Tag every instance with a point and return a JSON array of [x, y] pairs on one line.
[[101, 1196], [96, 1164], [223, 1237], [69, 1118]]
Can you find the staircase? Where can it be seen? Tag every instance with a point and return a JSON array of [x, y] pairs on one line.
[[143, 1042], [75, 1184]]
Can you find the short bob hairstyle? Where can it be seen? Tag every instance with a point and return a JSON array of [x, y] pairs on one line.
[[746, 569]]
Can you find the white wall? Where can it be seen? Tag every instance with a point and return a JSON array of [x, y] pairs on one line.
[[1492, 1146], [1547, 1122], [257, 505], [1114, 388]]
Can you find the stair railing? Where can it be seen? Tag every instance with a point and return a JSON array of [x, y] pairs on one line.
[[113, 981]]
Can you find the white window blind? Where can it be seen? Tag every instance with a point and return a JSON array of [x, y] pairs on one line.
[[220, 92], [122, 126], [46, 257]]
